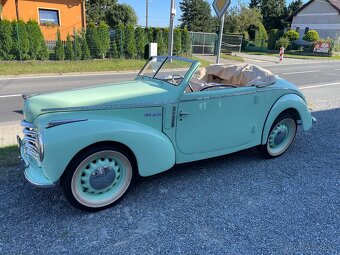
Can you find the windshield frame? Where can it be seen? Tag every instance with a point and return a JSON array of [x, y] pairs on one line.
[[166, 58]]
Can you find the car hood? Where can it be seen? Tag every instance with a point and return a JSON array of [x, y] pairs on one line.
[[117, 95]]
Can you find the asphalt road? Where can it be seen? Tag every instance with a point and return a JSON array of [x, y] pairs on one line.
[[235, 204], [306, 74]]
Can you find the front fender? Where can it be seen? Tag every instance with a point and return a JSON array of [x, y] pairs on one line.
[[153, 150], [290, 101]]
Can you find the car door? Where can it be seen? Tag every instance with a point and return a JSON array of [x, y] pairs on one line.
[[216, 120]]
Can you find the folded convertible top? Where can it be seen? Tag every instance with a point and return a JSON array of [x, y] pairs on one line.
[[238, 75]]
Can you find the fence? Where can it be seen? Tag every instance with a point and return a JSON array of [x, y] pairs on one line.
[[206, 43]]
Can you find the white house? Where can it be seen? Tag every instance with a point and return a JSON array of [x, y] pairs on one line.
[[320, 15]]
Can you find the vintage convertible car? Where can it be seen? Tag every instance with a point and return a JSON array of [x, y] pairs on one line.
[[95, 141]]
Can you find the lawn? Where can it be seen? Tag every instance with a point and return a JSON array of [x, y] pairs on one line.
[[9, 156], [232, 57], [53, 67]]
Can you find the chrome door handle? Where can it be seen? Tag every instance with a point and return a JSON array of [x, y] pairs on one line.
[[181, 114]]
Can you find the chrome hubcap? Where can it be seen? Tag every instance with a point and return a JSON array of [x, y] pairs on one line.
[[281, 137], [101, 178]]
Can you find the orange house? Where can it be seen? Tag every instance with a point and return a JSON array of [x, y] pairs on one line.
[[67, 15]]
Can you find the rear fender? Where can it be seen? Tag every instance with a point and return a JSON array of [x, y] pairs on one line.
[[286, 102]]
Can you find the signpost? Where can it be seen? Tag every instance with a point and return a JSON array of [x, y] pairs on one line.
[[221, 7]]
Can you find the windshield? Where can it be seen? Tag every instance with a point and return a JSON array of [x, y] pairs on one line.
[[168, 69]]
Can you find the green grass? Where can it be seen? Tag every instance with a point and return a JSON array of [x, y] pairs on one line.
[[233, 58], [53, 67], [9, 156]]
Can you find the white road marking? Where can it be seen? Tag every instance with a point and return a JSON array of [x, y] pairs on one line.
[[6, 96], [65, 75], [336, 69], [314, 71], [321, 85]]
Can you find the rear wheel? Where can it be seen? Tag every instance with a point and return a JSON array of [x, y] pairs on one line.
[[281, 136], [98, 178]]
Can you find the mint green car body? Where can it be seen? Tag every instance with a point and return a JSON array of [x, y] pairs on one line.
[[149, 117]]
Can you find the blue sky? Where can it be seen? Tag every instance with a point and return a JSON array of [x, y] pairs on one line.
[[159, 11]]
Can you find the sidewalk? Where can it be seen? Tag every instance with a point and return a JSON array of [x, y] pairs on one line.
[[9, 132]]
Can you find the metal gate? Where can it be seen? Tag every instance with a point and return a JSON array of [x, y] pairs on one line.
[[206, 43]]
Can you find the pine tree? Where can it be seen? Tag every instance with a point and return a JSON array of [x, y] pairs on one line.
[[114, 50], [69, 51], [85, 51], [293, 6], [177, 41], [92, 39], [77, 46], [140, 42], [59, 48], [104, 39], [120, 40], [38, 48], [159, 40], [130, 42], [196, 16], [6, 40], [21, 43], [166, 40], [186, 41]]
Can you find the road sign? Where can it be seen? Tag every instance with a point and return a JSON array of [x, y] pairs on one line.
[[221, 7]]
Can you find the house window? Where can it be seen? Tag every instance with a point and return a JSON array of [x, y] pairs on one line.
[[297, 29], [306, 30], [48, 17]]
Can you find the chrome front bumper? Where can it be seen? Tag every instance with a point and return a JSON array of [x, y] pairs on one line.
[[33, 173]]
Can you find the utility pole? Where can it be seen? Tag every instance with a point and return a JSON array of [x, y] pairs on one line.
[[147, 14], [171, 30]]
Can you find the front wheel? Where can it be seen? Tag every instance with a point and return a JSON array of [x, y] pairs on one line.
[[281, 136], [98, 178]]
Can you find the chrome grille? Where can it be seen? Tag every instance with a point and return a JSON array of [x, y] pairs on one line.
[[30, 139]]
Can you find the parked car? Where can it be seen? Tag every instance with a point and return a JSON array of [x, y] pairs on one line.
[[96, 141]]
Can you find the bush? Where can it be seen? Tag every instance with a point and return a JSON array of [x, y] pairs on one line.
[[177, 41], [186, 41], [85, 50], [273, 37], [261, 36], [104, 39], [159, 40], [282, 42], [166, 39], [114, 50], [130, 42], [37, 44], [140, 42], [21, 43], [292, 35], [92, 39], [69, 51], [6, 40], [77, 47], [311, 36], [59, 51], [120, 40]]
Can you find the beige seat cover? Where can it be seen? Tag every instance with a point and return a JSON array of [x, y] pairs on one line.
[[237, 75]]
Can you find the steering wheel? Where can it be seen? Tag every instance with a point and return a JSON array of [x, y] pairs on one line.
[[221, 86]]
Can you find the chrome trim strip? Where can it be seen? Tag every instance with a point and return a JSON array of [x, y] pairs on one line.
[[26, 124], [217, 97], [55, 123], [107, 107]]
